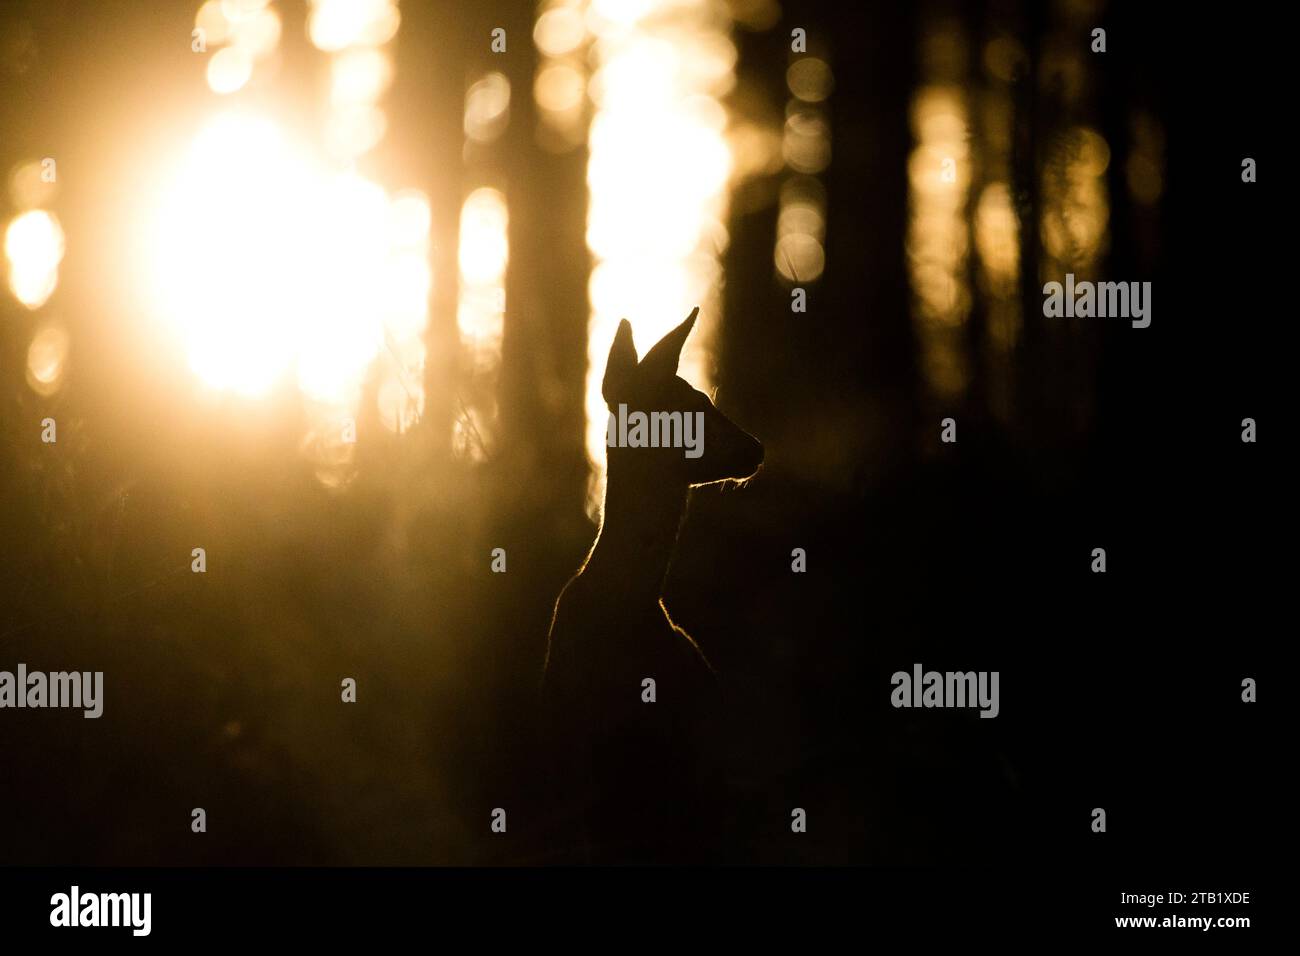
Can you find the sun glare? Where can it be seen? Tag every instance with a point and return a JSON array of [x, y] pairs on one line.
[[269, 264]]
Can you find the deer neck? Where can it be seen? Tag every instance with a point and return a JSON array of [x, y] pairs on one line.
[[638, 533]]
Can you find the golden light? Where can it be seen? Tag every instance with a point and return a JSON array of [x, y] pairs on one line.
[[809, 78], [997, 243], [1004, 57], [658, 173], [997, 237], [229, 252], [328, 443], [800, 257], [621, 13], [241, 9], [410, 282], [249, 31], [354, 130], [333, 25], [345, 327], [406, 306], [560, 30], [560, 88], [560, 85], [755, 150], [410, 219], [229, 69], [272, 262], [487, 108], [267, 263], [34, 247], [480, 313], [756, 15], [214, 23], [359, 75], [483, 245], [801, 230], [1076, 207], [400, 407], [32, 185], [807, 142], [937, 238], [484, 250], [257, 31], [46, 359], [805, 148]]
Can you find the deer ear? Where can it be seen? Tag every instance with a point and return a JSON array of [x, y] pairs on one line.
[[662, 359], [621, 365]]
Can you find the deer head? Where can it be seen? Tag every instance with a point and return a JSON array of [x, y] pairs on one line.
[[662, 427]]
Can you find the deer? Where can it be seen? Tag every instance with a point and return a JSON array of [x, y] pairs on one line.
[[624, 688]]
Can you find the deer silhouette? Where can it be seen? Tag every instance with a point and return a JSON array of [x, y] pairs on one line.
[[624, 688]]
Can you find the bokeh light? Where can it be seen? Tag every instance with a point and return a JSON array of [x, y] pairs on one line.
[[560, 30], [34, 247], [33, 184], [937, 234], [480, 315], [997, 238], [247, 31], [229, 69], [1076, 207], [359, 75], [487, 108], [47, 359], [334, 25], [810, 79], [560, 85], [484, 250], [560, 88], [801, 230], [805, 151]]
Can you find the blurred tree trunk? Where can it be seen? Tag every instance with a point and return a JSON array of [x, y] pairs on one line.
[[544, 352], [1025, 160], [975, 405], [430, 77]]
